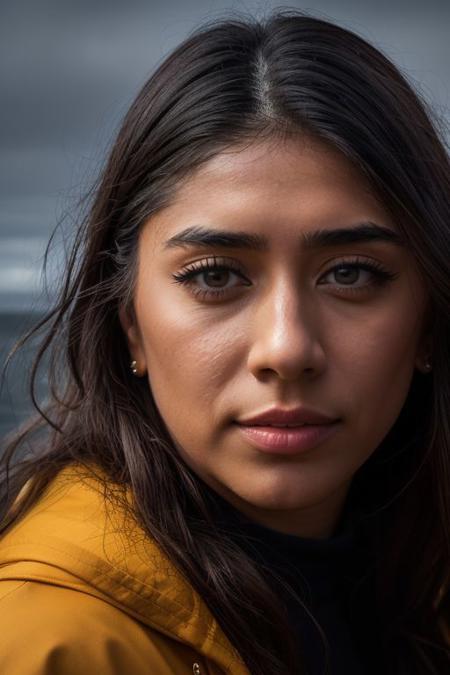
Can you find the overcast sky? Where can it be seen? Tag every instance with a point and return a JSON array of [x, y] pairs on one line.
[[70, 68]]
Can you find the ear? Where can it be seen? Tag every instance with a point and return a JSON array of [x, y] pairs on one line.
[[133, 335]]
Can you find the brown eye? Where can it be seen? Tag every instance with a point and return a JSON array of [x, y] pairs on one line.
[[216, 277], [202, 278], [346, 275]]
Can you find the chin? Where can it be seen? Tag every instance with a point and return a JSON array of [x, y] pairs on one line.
[[276, 497]]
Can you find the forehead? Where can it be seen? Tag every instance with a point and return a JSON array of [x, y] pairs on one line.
[[284, 163], [293, 183]]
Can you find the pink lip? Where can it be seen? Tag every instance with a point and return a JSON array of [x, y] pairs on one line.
[[296, 416], [288, 441]]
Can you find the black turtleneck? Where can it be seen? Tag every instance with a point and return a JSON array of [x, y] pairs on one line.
[[333, 578]]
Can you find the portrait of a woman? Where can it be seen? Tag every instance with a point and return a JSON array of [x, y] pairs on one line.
[[243, 464]]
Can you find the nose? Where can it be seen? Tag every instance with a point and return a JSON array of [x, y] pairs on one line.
[[286, 338]]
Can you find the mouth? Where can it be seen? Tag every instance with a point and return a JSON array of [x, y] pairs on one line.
[[279, 426], [287, 417], [287, 439]]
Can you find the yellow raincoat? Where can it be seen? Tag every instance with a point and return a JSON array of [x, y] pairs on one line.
[[84, 593]]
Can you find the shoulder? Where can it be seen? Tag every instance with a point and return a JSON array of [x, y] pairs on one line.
[[48, 630]]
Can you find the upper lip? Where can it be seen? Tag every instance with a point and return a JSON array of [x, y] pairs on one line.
[[300, 415]]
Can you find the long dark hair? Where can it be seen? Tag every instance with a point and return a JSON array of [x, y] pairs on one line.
[[231, 81]]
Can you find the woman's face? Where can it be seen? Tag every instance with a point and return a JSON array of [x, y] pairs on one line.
[[332, 325]]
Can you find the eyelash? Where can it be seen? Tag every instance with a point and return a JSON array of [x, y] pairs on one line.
[[382, 276], [191, 271]]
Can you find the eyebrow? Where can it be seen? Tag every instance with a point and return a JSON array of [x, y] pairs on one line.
[[317, 239]]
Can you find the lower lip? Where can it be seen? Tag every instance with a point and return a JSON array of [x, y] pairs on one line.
[[288, 441]]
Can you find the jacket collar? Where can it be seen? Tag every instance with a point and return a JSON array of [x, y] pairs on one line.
[[73, 538]]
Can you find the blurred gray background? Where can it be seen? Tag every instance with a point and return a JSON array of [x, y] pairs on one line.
[[69, 69]]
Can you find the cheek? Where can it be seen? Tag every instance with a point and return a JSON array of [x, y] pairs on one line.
[[376, 365], [379, 343], [189, 356]]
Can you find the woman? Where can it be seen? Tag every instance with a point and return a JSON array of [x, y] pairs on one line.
[[267, 247]]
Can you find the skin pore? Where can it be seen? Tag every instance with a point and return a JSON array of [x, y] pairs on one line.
[[291, 324]]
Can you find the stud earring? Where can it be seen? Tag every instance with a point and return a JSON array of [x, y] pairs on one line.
[[427, 366], [133, 367]]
